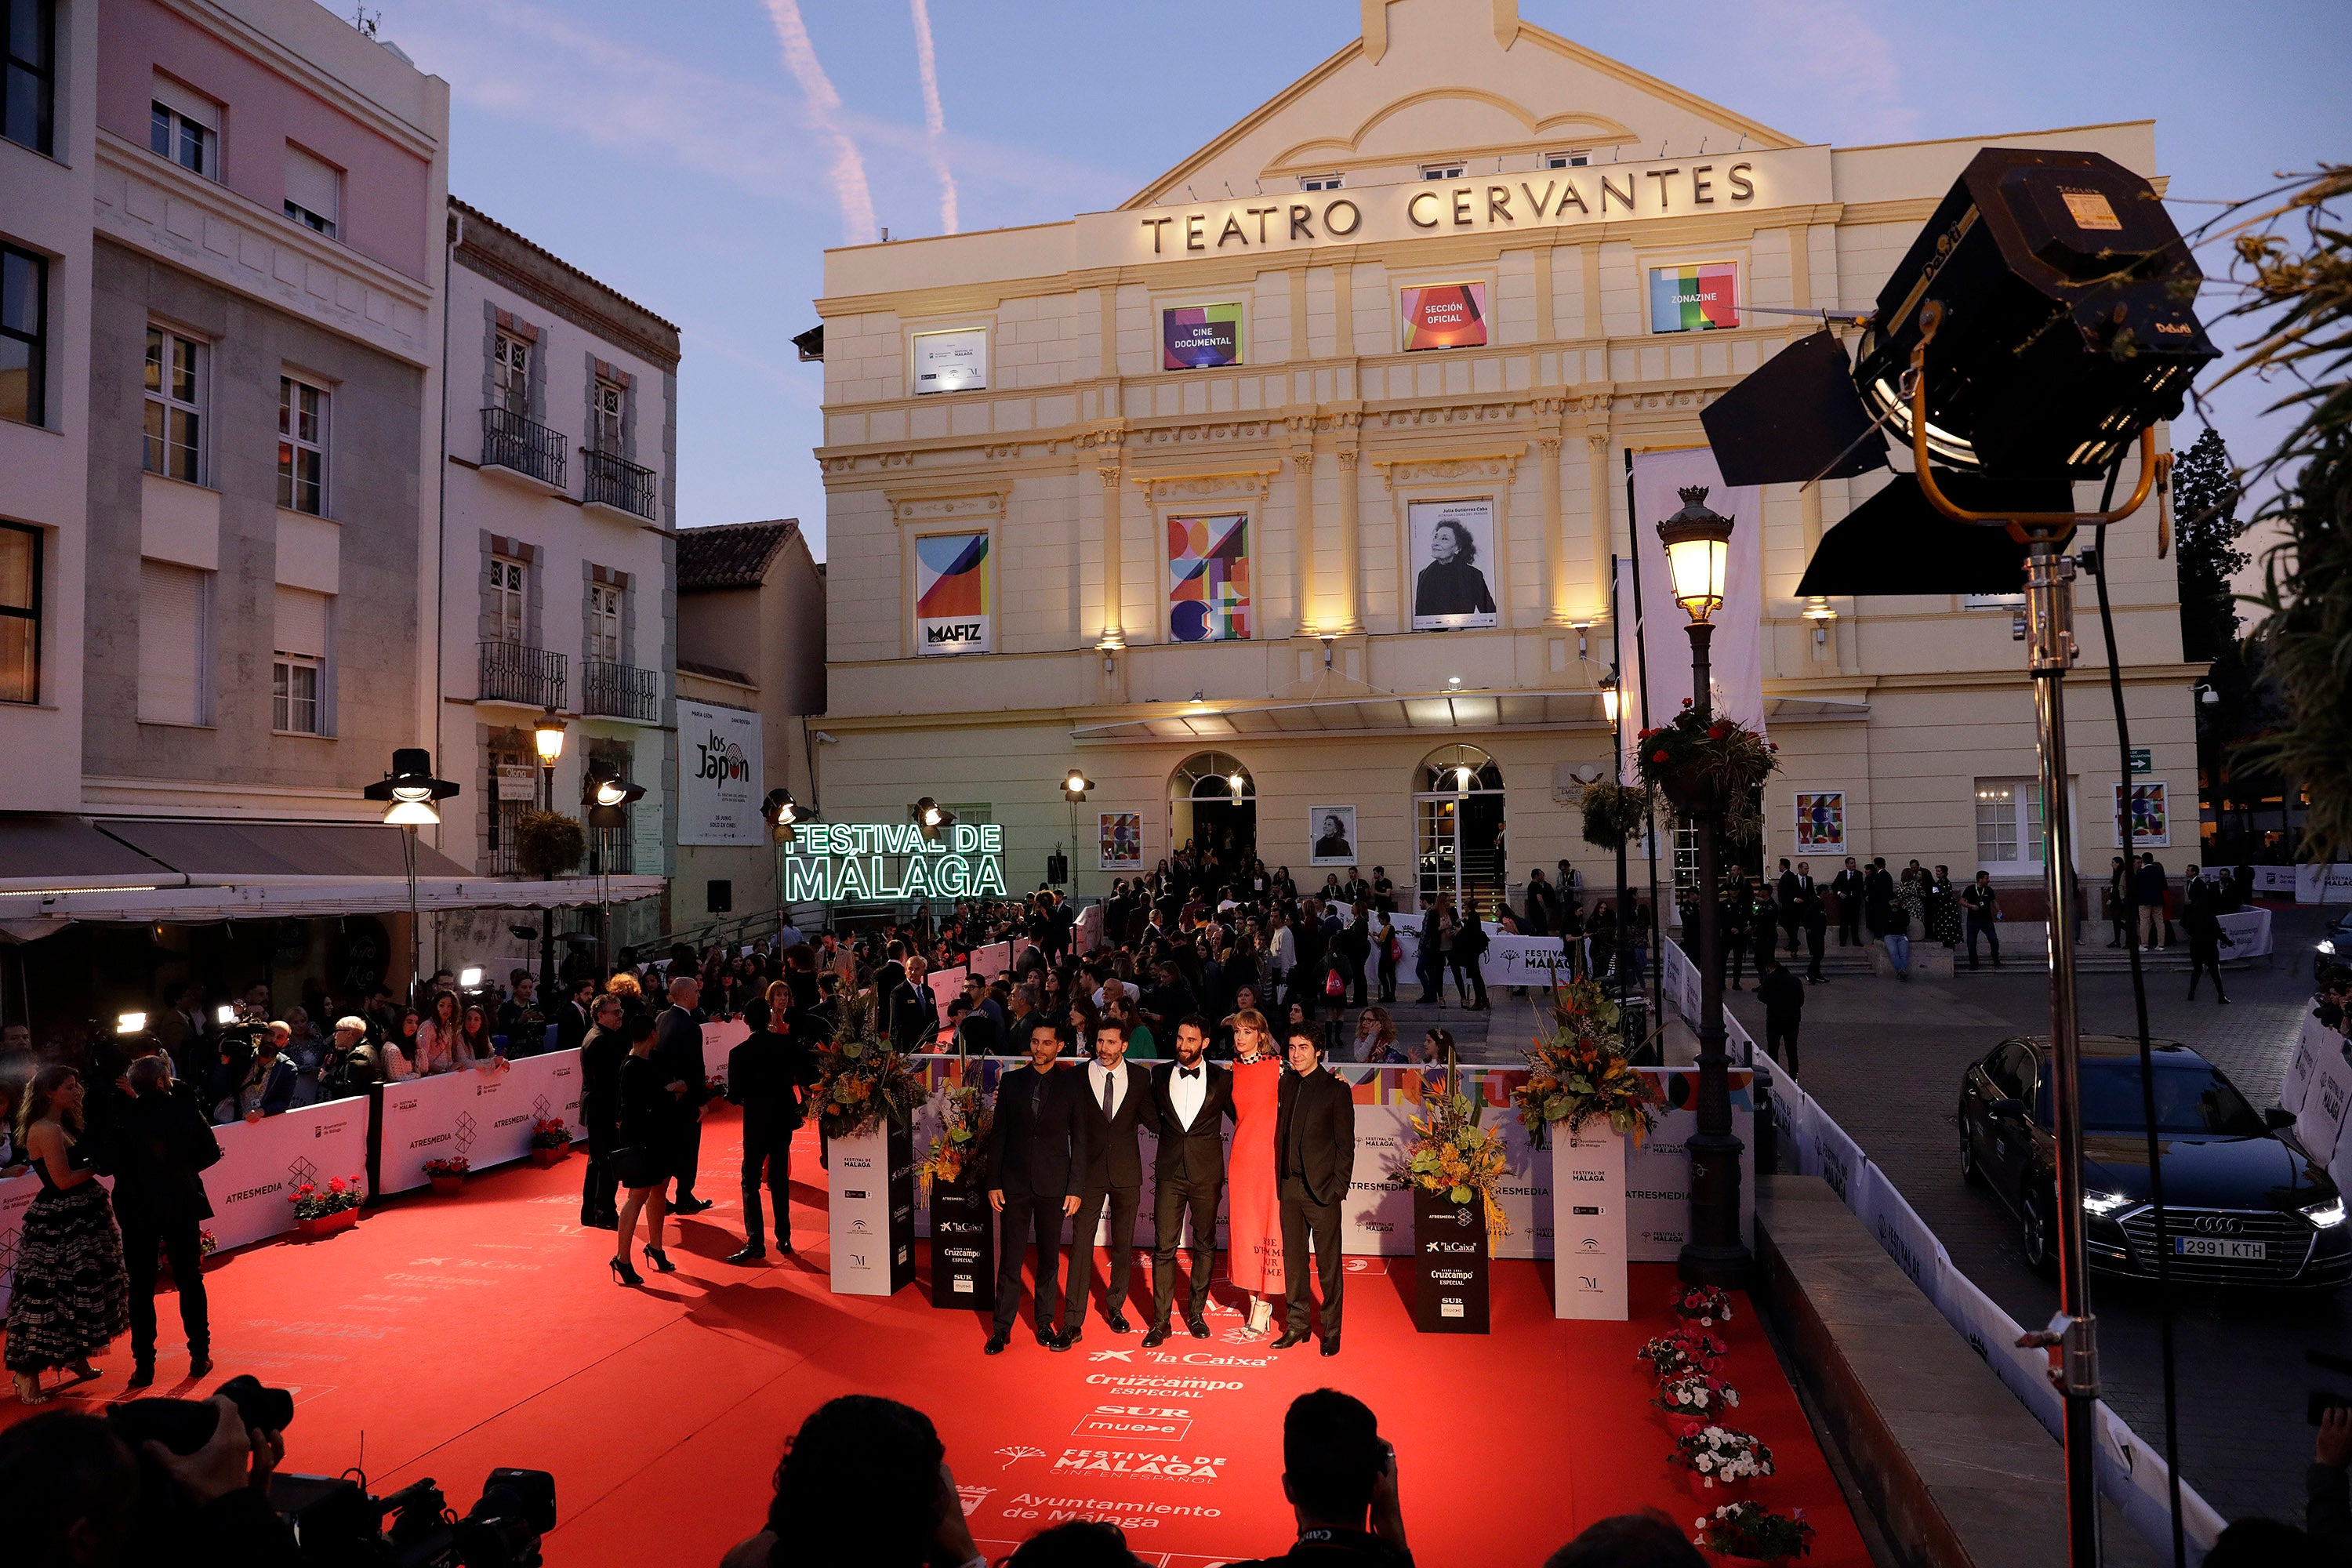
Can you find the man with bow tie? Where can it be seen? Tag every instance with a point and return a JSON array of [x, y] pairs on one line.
[[1191, 1099]]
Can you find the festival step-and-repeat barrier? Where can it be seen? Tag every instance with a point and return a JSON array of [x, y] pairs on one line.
[[485, 1115], [2316, 1091]]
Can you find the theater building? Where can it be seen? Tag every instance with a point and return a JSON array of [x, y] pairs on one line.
[[1285, 501]]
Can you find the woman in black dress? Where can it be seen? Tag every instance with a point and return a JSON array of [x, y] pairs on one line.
[[647, 1156], [71, 1294]]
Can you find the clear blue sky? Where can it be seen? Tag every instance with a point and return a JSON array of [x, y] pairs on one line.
[[669, 148]]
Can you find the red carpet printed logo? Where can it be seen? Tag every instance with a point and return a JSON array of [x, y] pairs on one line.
[[972, 1497], [1164, 1428], [1124, 1462], [1018, 1452]]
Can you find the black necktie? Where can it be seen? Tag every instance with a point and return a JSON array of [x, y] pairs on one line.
[[1108, 1081]]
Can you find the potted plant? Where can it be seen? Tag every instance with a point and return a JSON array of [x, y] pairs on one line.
[[1704, 764], [321, 1211], [447, 1175], [1582, 1073], [1684, 1351], [964, 1258], [548, 843], [551, 1142], [1719, 1458], [1611, 812], [1751, 1532], [1706, 1305], [1694, 1396]]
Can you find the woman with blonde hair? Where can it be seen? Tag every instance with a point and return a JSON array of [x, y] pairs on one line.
[[1253, 1194], [1376, 1037], [72, 1294]]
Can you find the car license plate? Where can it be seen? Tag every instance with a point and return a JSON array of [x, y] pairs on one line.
[[2216, 1247]]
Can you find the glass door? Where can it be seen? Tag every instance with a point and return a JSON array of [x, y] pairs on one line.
[[1437, 839]]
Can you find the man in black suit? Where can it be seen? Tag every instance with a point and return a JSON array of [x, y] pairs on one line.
[[157, 1146], [1848, 889], [913, 1011], [1786, 892], [765, 1076], [1118, 1101], [576, 1017], [1037, 1151], [678, 1047], [600, 1112], [1191, 1099], [1314, 1156]]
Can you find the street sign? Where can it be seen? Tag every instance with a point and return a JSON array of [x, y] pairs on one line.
[[2142, 763]]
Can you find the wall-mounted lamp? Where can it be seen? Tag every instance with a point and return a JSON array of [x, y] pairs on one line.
[[1818, 611], [1108, 648], [1582, 627], [1326, 640]]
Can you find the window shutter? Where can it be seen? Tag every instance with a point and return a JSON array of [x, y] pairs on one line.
[[171, 644], [301, 622], [312, 185], [188, 103]]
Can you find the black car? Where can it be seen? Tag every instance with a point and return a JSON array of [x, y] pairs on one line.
[[2243, 1205], [2335, 949]]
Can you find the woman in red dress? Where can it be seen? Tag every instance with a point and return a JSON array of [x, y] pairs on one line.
[[1253, 1204]]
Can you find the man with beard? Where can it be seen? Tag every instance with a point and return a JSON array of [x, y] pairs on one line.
[[1037, 1150], [1191, 1099]]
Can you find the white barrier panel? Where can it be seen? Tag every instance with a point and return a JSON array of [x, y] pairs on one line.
[[1588, 1253], [2324, 884], [1523, 960], [1657, 1169], [2314, 1038], [992, 960], [15, 1197], [2248, 931], [946, 984], [263, 1161], [1089, 929], [2319, 1120], [485, 1117], [717, 1040], [2276, 881]]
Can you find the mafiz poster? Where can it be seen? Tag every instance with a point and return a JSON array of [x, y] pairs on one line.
[[952, 601], [1120, 843], [1208, 578], [1821, 820], [1453, 544]]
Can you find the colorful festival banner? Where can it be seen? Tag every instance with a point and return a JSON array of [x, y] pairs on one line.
[[2151, 826], [1199, 337], [1699, 298], [1208, 578], [952, 598], [1821, 820], [1443, 316], [1119, 841]]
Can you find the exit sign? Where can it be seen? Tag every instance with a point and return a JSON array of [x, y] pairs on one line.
[[2141, 761]]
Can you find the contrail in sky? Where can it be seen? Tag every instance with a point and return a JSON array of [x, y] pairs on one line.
[[847, 171], [934, 121]]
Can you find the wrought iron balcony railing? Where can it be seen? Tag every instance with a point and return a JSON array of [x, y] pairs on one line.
[[615, 483], [511, 441], [619, 690], [515, 672]]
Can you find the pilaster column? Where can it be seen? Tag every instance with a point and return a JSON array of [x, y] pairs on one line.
[[1557, 609], [1113, 628], [1351, 547], [1302, 537], [1597, 446]]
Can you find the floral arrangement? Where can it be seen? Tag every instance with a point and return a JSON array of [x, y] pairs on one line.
[[1688, 755], [206, 1243], [859, 1078], [1582, 1072], [1695, 1394], [715, 1085], [1612, 811], [954, 1155], [1705, 1305], [1751, 1530], [312, 1201], [454, 1165], [1682, 1352], [550, 1133], [1720, 1454], [1452, 1156]]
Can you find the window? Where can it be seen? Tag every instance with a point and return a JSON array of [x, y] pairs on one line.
[[29, 43], [185, 128], [608, 402], [24, 336], [1319, 182], [506, 599], [605, 622], [511, 373], [176, 402], [297, 673], [1992, 601], [1440, 171], [20, 613], [1566, 160], [174, 643], [314, 191], [2009, 824], [301, 447]]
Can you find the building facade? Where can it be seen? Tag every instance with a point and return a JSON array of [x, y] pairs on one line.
[[1293, 517], [559, 571]]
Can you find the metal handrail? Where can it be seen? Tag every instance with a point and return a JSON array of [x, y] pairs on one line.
[[614, 482], [619, 690], [516, 672], [511, 441]]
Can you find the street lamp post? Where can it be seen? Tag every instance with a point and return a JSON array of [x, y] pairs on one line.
[[548, 736], [1628, 1029], [1698, 551], [412, 798]]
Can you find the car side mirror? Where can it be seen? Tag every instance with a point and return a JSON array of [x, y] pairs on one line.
[[2277, 1118], [2007, 1106]]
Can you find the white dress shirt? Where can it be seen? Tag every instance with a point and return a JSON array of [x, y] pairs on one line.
[[1097, 1075], [1187, 1087]]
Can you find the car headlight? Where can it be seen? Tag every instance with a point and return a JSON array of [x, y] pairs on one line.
[[2105, 1204], [2328, 947], [2325, 1216]]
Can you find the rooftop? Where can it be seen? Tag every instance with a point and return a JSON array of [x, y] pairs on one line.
[[731, 554]]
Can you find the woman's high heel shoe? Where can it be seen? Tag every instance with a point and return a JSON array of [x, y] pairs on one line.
[[623, 1274], [660, 1259]]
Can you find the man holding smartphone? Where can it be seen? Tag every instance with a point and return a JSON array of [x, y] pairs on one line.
[[1340, 1476]]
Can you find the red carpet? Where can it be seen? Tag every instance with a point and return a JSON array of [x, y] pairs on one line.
[[443, 1336]]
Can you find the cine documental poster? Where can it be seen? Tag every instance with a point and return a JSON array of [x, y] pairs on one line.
[[953, 600], [1199, 337]]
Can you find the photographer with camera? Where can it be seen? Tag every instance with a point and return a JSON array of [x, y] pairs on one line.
[[1340, 1477], [2327, 1486], [76, 1490]]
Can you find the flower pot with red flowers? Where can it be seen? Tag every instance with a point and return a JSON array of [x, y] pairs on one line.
[[550, 1141], [448, 1176], [1751, 1532], [1682, 1352], [1705, 1305], [1704, 764], [1693, 1397], [324, 1209]]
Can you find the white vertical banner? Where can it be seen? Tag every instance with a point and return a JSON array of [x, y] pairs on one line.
[[1736, 655], [720, 776], [1588, 1185], [857, 1205]]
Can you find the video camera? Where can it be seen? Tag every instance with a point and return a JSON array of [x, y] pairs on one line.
[[335, 1522]]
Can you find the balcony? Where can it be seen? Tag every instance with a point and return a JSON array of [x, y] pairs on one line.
[[513, 672], [515, 446], [613, 854], [623, 487], [619, 690]]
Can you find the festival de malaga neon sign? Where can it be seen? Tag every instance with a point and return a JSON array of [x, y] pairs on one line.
[[840, 862]]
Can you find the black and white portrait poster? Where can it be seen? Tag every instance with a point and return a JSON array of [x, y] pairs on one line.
[[1331, 835], [1454, 564]]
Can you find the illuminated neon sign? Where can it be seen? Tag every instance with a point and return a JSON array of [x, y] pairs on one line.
[[840, 862]]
